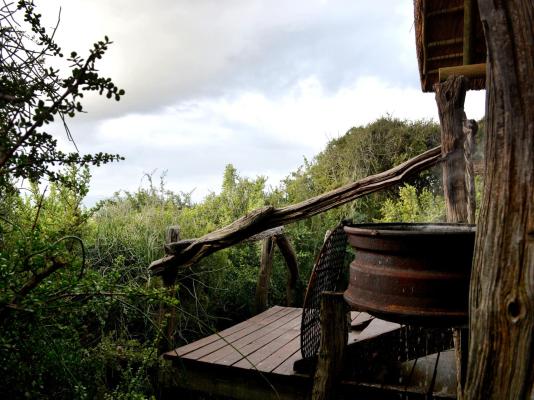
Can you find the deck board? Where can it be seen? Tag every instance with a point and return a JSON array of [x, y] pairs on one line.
[[264, 350], [180, 351], [259, 356], [268, 342], [225, 337], [253, 341]]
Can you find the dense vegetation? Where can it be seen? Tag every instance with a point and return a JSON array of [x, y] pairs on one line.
[[92, 328], [80, 314]]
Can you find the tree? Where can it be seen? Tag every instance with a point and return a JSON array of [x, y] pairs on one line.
[[501, 319], [32, 95]]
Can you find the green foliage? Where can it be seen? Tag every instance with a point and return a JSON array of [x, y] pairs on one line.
[[79, 310], [33, 94], [413, 207], [131, 226], [361, 152], [86, 329], [233, 276]]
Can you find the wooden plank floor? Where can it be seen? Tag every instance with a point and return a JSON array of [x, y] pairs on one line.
[[268, 342], [255, 358]]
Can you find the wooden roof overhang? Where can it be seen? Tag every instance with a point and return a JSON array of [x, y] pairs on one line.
[[449, 40]]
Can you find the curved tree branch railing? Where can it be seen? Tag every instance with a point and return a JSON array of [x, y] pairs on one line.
[[187, 252]]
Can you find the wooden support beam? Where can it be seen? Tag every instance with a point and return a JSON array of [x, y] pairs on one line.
[[501, 320], [264, 278], [172, 234], [469, 23], [334, 335], [469, 71], [450, 98], [290, 258], [470, 130]]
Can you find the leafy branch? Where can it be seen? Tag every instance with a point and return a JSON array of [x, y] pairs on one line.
[[33, 95]]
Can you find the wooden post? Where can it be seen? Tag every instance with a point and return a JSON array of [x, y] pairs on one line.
[[501, 324], [450, 97], [292, 266], [334, 337], [470, 130], [172, 234], [266, 266]]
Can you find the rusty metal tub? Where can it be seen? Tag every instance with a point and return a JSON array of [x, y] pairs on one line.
[[411, 273]]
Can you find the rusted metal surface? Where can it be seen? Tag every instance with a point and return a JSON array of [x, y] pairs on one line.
[[411, 273]]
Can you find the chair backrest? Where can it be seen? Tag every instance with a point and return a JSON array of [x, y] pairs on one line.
[[326, 275]]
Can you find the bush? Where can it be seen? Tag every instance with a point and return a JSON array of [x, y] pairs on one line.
[[70, 327]]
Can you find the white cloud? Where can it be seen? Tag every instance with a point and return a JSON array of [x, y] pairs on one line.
[[193, 141], [256, 83]]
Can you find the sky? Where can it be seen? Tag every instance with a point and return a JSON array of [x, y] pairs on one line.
[[260, 84]]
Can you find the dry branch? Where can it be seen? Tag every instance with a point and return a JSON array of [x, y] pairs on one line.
[[290, 258], [186, 253]]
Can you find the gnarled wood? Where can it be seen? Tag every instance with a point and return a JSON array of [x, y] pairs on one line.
[[470, 131], [334, 335], [264, 278], [172, 234], [501, 339], [292, 266], [450, 98], [275, 232], [270, 217]]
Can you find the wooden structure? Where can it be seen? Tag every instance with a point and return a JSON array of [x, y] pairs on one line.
[[254, 360], [451, 51], [501, 330], [449, 37]]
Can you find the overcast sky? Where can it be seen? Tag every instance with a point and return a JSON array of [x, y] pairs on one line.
[[260, 84]]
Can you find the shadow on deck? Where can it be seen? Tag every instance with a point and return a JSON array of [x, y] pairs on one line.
[[255, 359]]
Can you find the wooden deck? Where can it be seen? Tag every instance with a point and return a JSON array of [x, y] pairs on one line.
[[255, 358]]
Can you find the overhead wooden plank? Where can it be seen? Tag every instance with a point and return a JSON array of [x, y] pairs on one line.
[[469, 71]]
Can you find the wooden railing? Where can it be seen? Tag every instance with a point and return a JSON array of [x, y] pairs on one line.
[[185, 253]]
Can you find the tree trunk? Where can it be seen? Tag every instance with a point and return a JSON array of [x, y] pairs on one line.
[[290, 258], [334, 337], [264, 278], [450, 98], [470, 131], [501, 341], [172, 234]]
